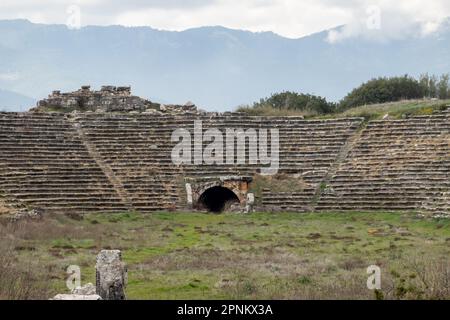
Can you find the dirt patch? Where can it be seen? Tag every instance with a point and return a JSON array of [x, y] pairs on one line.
[[313, 236], [4, 209]]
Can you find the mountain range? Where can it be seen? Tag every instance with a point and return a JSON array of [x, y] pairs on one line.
[[13, 101], [215, 67]]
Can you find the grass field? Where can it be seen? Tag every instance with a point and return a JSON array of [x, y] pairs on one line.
[[230, 256]]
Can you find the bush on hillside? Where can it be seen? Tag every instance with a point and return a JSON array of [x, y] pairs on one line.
[[383, 90], [376, 91], [292, 101]]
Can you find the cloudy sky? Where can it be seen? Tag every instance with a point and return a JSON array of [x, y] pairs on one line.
[[289, 18]]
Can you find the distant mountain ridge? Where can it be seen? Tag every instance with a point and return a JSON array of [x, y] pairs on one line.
[[215, 67], [12, 101]]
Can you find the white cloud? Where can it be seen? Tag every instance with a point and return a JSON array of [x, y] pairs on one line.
[[384, 20], [290, 18], [9, 76]]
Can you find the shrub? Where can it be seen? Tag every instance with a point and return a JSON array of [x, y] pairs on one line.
[[291, 101], [20, 281], [383, 90]]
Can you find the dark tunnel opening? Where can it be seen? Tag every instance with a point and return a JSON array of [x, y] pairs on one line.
[[216, 199]]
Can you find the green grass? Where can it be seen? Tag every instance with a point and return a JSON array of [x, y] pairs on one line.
[[395, 110], [273, 112], [255, 256]]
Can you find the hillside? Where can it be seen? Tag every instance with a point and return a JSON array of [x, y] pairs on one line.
[[12, 101], [215, 67], [395, 110]]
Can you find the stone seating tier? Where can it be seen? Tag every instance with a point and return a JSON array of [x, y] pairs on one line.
[[117, 162]]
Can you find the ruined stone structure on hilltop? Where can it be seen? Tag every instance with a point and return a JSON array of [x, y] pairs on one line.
[[108, 99], [114, 162]]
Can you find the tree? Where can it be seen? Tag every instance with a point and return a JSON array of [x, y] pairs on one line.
[[443, 87], [424, 81], [377, 90], [433, 86], [296, 101]]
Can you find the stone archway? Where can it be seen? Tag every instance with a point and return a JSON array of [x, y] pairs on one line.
[[218, 194], [217, 199]]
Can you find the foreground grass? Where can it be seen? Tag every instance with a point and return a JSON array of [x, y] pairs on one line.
[[257, 256]]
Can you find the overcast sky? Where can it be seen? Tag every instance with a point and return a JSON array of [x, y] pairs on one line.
[[289, 18]]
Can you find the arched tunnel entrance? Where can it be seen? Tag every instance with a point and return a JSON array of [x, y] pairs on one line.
[[217, 199]]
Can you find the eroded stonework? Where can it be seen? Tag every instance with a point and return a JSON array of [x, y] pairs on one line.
[[111, 275], [239, 185], [107, 99], [114, 162]]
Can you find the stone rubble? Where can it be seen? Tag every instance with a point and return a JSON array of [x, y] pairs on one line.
[[26, 214], [76, 297], [87, 289], [107, 99]]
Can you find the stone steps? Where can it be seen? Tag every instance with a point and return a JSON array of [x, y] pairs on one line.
[[44, 164], [396, 164], [393, 165], [126, 143]]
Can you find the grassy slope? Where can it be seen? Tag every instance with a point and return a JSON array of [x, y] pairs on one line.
[[396, 109], [369, 112], [205, 256]]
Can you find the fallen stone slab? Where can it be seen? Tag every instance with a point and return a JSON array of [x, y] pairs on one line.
[[86, 290], [76, 297]]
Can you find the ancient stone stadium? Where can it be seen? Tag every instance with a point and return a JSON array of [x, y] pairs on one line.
[[109, 151]]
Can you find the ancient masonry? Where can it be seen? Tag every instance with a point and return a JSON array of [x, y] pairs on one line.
[[108, 99], [105, 161]]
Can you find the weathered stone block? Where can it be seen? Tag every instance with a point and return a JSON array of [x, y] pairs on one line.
[[111, 275], [87, 289]]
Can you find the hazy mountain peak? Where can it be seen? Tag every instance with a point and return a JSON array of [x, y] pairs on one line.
[[13, 101], [216, 67]]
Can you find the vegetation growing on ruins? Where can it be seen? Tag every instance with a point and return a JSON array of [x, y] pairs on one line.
[[382, 90], [276, 183], [291, 102], [395, 110], [258, 256], [426, 94]]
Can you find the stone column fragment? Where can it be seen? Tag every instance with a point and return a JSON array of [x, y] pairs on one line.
[[111, 275]]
